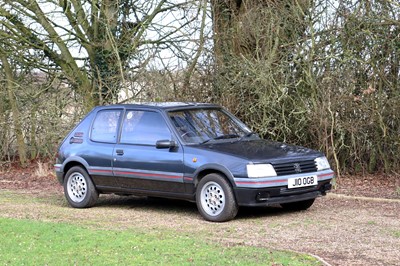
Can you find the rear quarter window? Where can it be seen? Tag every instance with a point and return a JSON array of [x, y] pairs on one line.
[[105, 126]]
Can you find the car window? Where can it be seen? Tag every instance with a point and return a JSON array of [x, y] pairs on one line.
[[105, 125], [199, 125], [144, 127]]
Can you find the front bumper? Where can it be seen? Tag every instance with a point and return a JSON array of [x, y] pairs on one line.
[[266, 192], [278, 195]]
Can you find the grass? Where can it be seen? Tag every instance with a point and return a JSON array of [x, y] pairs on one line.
[[32, 242]]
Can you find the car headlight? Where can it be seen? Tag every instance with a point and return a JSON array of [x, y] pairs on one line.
[[260, 170], [322, 163]]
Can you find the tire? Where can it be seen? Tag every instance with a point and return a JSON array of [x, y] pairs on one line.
[[79, 189], [215, 199], [298, 205]]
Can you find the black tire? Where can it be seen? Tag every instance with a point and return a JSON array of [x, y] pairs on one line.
[[298, 205], [215, 199], [79, 189]]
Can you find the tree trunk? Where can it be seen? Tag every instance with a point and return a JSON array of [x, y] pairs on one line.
[[15, 111], [252, 37], [252, 29]]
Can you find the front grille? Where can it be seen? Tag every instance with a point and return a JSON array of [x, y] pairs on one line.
[[295, 167]]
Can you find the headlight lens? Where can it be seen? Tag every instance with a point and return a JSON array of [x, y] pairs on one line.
[[260, 170], [322, 163]]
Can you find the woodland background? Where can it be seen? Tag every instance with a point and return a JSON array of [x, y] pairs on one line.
[[318, 73]]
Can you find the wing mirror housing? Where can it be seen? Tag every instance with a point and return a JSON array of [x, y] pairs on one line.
[[165, 144]]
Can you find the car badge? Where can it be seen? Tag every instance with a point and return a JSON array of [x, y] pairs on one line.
[[297, 167]]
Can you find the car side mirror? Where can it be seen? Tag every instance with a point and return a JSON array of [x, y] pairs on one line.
[[165, 144]]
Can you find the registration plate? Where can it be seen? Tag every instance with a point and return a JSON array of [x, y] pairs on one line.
[[304, 181]]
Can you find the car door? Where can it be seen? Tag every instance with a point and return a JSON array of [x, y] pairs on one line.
[[138, 164]]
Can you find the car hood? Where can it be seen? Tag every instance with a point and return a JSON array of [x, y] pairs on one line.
[[261, 150]]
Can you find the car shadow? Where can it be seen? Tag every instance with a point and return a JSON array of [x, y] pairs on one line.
[[180, 206], [147, 203], [260, 212]]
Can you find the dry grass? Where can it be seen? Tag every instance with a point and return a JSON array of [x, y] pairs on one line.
[[341, 231], [43, 169]]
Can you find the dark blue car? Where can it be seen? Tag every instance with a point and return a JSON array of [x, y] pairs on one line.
[[192, 151]]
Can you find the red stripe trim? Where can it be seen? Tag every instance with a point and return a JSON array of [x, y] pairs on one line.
[[260, 182], [274, 181], [100, 171], [325, 175], [147, 174]]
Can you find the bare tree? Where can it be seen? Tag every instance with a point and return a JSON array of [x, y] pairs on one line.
[[17, 126], [93, 43], [87, 52]]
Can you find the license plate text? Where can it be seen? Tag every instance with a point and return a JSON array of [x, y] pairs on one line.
[[302, 181]]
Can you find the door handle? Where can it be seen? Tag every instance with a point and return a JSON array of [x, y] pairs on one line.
[[120, 152]]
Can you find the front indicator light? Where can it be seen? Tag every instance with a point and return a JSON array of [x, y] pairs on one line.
[[322, 163]]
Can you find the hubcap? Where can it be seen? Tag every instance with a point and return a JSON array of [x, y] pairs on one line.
[[212, 198], [77, 187]]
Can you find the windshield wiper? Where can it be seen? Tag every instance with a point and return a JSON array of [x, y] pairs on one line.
[[207, 140], [247, 135], [226, 136]]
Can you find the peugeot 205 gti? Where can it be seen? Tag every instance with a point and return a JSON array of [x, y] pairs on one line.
[[192, 151]]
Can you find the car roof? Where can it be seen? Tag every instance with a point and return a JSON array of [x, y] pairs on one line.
[[162, 105]]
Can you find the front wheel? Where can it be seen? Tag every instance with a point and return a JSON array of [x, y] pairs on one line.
[[215, 199], [299, 205], [79, 189]]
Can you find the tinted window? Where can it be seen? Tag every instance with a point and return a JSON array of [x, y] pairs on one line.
[[144, 127], [105, 126]]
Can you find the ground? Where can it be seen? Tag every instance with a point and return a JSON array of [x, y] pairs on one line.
[[356, 224]]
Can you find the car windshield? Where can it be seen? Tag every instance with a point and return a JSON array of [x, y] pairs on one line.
[[204, 125]]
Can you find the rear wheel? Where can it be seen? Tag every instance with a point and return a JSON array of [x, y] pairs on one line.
[[299, 205], [79, 189], [215, 199]]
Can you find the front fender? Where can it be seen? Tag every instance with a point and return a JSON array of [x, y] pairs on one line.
[[212, 168]]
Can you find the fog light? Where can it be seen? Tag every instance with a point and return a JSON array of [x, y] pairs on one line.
[[262, 196]]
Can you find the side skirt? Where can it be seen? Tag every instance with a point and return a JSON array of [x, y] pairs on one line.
[[143, 192]]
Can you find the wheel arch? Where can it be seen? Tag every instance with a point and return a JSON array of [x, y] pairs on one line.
[[213, 168], [74, 161], [215, 195]]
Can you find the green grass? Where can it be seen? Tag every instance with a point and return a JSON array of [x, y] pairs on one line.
[[29, 242]]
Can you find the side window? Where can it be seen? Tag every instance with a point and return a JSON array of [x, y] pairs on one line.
[[105, 126], [144, 127]]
